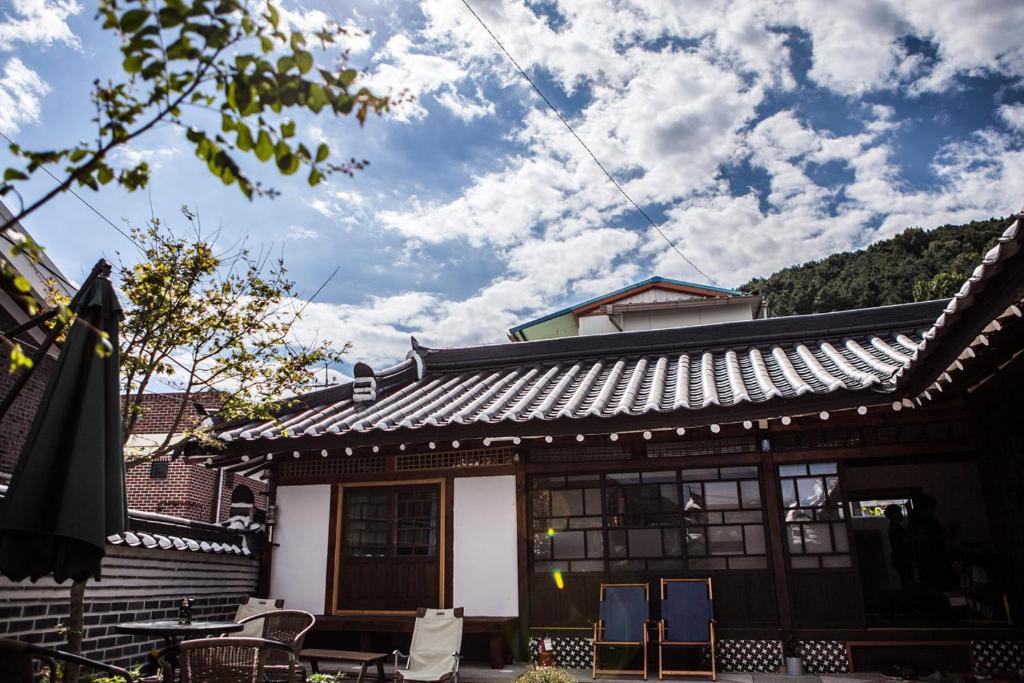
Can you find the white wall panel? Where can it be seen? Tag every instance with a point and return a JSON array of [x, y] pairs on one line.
[[299, 566], [486, 574]]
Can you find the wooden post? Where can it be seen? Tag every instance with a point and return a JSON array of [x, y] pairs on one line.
[[776, 531], [76, 626]]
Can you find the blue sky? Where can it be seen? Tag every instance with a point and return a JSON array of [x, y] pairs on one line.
[[760, 134]]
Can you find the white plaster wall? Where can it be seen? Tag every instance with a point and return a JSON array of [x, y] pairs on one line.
[[486, 575], [298, 568]]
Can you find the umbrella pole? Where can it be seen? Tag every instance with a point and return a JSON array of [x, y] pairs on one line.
[[76, 625]]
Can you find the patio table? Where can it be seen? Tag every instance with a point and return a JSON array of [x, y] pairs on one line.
[[172, 632]]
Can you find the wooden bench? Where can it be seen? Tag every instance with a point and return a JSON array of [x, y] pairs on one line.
[[364, 659], [499, 630]]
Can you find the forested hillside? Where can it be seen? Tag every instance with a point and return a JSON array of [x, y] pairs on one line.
[[916, 265]]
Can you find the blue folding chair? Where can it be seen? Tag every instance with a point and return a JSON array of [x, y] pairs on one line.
[[624, 617], [687, 620]]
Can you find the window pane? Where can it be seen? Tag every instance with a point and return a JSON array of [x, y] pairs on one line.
[[792, 470], [707, 563], [748, 562], [750, 491], [616, 543], [541, 503], [699, 475], [695, 541], [595, 544], [624, 478], [799, 516], [840, 538], [669, 497], [588, 566], [585, 523], [721, 495], [788, 493], [645, 543], [548, 567], [672, 546], [811, 492], [541, 546], [823, 468], [593, 501], [566, 503], [626, 566], [725, 540], [416, 522], [367, 523], [755, 539], [740, 517], [693, 498], [817, 538], [659, 477], [834, 561], [739, 472], [794, 539], [804, 562], [568, 544]]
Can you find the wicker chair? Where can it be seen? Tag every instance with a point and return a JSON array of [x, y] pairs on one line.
[[223, 660], [16, 662], [288, 626]]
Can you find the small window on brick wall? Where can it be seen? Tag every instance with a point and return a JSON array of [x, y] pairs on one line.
[[158, 469]]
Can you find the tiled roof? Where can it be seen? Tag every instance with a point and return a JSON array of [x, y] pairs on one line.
[[673, 372], [153, 530], [750, 362]]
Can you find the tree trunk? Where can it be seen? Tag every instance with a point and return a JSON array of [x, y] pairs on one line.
[[76, 626]]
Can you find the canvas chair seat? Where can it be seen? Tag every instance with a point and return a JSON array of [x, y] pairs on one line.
[[624, 618], [687, 620], [252, 607], [436, 644]]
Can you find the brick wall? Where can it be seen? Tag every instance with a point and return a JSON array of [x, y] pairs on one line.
[[189, 491], [15, 424], [138, 584], [160, 411]]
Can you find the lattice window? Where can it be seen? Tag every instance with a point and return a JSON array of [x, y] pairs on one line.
[[446, 459], [580, 453], [830, 438], [321, 467], [683, 449]]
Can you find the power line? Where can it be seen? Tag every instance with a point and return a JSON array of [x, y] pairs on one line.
[[82, 199], [584, 145]]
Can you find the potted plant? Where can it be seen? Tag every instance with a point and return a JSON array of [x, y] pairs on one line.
[[546, 674], [791, 652]]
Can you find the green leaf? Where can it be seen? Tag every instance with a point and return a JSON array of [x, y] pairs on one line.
[[285, 64], [266, 44], [21, 284], [287, 163], [348, 76], [273, 16], [304, 60], [288, 129], [170, 17], [14, 174], [264, 147], [133, 64], [316, 98], [194, 134], [322, 152], [132, 20], [105, 174], [244, 140]]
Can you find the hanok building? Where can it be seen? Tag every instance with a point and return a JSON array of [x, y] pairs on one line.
[[515, 479]]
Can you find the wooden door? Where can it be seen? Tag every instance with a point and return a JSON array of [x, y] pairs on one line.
[[391, 548]]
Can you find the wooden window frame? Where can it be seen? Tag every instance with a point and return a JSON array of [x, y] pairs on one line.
[[337, 554]]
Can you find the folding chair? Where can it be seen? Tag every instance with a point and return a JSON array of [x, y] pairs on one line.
[[624, 616], [687, 620], [251, 607], [16, 662], [434, 653]]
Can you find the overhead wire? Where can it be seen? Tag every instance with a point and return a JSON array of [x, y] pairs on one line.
[[583, 144]]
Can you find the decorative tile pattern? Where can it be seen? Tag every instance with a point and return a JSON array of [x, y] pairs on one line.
[[749, 655], [570, 652], [824, 656], [997, 656]]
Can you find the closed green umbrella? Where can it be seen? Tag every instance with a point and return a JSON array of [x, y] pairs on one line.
[[67, 493]]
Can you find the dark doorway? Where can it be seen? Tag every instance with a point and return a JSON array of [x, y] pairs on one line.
[[390, 548]]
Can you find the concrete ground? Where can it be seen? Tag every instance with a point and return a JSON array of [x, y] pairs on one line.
[[481, 673]]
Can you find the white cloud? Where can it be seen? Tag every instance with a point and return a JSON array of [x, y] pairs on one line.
[[297, 232], [404, 67], [42, 22], [130, 155], [1013, 115], [20, 91], [464, 107]]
